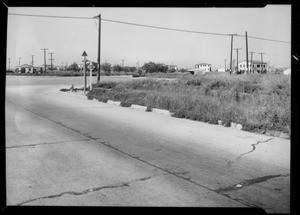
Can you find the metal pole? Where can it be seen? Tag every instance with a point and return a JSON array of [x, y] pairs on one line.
[[91, 76], [84, 74], [225, 65], [247, 53]]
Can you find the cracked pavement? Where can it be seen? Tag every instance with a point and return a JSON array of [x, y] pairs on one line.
[[66, 150]]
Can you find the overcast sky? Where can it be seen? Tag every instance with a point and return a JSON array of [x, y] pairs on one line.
[[68, 38]]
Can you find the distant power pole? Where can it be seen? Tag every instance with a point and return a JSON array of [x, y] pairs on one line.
[[261, 57], [32, 62], [19, 64], [237, 58], [225, 65], [51, 59], [9, 63], [99, 46], [231, 52], [44, 58], [247, 52], [251, 65]]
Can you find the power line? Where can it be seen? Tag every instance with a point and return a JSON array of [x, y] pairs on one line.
[[49, 16], [149, 26], [259, 38]]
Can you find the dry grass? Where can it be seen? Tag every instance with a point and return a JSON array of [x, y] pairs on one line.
[[258, 102]]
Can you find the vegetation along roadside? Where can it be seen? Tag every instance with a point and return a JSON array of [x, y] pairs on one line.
[[260, 102]]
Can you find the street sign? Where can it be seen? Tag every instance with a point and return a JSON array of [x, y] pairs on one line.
[[84, 54], [91, 67]]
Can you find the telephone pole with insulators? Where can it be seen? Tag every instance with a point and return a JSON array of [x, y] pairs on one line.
[[44, 59], [237, 58], [51, 59]]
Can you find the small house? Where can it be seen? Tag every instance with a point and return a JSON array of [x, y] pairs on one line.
[[254, 67]]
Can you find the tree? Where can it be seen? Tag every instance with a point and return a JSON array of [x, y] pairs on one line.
[[154, 67], [106, 67], [117, 68], [73, 67]]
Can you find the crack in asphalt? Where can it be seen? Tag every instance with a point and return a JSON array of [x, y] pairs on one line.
[[248, 182], [37, 144], [253, 149], [95, 189], [97, 140]]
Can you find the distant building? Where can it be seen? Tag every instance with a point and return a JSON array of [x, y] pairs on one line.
[[203, 66], [221, 70], [255, 67], [24, 68], [172, 67], [287, 72]]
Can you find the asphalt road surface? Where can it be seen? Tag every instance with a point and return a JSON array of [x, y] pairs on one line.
[[65, 150]]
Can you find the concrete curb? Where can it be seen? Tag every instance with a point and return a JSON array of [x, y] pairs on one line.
[[161, 111], [138, 107], [113, 102]]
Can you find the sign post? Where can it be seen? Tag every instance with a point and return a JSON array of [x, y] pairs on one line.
[[84, 72]]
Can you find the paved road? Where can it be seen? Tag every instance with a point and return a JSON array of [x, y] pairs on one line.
[[62, 149]]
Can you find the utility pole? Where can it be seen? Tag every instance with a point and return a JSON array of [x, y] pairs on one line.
[[19, 64], [9, 63], [32, 62], [44, 58], [251, 65], [247, 52], [225, 65], [99, 46], [261, 57], [231, 54], [237, 58], [51, 59]]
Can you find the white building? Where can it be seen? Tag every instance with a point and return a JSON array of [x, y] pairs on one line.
[[221, 70], [255, 67], [287, 72], [203, 66]]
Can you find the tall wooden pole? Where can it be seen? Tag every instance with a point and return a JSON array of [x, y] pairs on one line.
[[247, 53], [99, 47], [231, 53], [237, 58]]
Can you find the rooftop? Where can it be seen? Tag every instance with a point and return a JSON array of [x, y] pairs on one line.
[[203, 64]]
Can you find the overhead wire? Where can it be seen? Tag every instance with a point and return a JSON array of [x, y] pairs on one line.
[[148, 26]]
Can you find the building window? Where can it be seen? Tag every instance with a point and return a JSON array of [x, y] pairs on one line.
[[258, 66]]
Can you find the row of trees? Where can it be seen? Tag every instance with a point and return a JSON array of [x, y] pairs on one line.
[[149, 67]]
